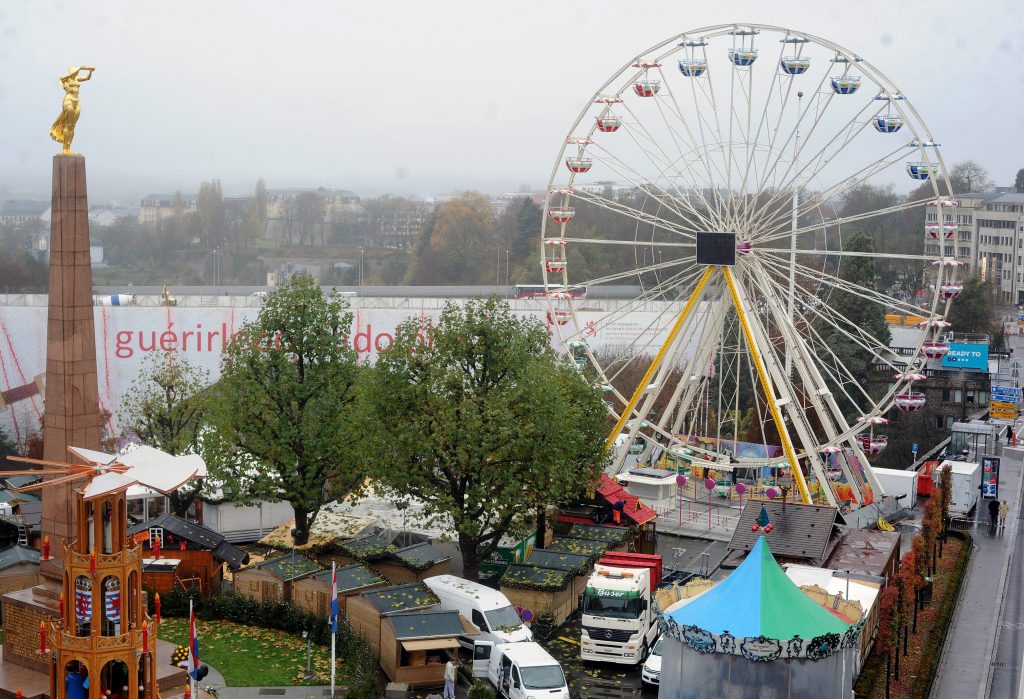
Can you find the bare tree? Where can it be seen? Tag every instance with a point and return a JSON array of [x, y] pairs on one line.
[[970, 176]]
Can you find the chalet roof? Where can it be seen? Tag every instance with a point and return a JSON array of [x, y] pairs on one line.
[[419, 557], [426, 625], [351, 577], [328, 528], [635, 510], [560, 560], [19, 481], [290, 567], [18, 554], [864, 551], [368, 547], [609, 535], [528, 576], [798, 531], [587, 547], [203, 537], [401, 598]]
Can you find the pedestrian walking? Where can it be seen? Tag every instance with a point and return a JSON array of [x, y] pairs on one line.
[[451, 672], [993, 512], [1004, 510]]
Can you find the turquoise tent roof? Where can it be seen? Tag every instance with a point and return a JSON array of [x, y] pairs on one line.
[[758, 599]]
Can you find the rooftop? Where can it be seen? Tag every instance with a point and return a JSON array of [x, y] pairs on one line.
[[427, 625], [588, 547], [368, 547], [799, 532], [578, 563], [532, 577], [420, 557], [290, 567], [864, 551], [398, 598], [351, 577], [203, 537], [18, 554]]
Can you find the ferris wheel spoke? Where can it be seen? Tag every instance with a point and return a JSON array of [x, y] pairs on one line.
[[777, 217], [697, 148], [678, 205], [707, 91], [815, 276], [640, 134], [851, 330], [840, 221], [815, 164], [619, 207], [631, 243]]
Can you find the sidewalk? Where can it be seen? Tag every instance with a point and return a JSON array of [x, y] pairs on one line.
[[966, 664]]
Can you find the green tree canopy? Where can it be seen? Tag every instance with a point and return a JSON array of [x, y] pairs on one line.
[[282, 412], [482, 421], [166, 407]]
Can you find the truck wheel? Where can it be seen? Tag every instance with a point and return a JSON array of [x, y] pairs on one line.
[[643, 652]]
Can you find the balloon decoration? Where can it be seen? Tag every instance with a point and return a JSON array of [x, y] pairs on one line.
[[680, 480], [772, 493], [709, 483]]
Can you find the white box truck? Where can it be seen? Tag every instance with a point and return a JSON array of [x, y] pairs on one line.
[[966, 481], [519, 670], [619, 624], [488, 609]]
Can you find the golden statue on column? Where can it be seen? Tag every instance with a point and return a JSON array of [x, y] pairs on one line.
[[63, 130]]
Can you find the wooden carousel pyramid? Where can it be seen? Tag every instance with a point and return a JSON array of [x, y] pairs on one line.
[[103, 642]]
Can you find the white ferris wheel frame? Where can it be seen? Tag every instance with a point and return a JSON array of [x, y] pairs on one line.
[[772, 373]]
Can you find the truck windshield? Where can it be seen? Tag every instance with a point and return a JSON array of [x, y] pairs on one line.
[[619, 607], [545, 677], [503, 619]]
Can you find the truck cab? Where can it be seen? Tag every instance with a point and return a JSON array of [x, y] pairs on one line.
[[619, 623], [519, 670]]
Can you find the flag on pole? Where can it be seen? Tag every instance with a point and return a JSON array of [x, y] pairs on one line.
[[334, 618], [334, 599], [193, 644]]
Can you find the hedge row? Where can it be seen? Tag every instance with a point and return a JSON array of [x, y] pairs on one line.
[[933, 647], [352, 649]]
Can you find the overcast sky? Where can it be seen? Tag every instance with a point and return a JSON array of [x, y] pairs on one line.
[[424, 97]]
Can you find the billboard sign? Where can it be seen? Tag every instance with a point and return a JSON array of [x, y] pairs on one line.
[[966, 355], [990, 477]]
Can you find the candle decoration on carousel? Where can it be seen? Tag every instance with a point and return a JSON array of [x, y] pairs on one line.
[[92, 562], [155, 547], [145, 637], [42, 638], [156, 608], [17, 694], [62, 608], [46, 548], [188, 692]]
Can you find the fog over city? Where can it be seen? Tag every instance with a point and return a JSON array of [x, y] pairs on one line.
[[426, 97]]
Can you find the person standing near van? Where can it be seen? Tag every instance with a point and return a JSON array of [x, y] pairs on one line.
[[451, 672]]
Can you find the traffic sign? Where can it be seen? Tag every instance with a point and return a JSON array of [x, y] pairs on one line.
[[914, 448], [1000, 415], [1002, 406]]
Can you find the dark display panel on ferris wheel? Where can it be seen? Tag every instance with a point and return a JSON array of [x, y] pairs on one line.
[[714, 248]]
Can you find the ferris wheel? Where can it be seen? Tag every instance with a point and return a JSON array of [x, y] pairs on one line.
[[719, 174]]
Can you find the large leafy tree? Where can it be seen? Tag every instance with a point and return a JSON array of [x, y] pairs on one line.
[[481, 420], [282, 412], [166, 407]]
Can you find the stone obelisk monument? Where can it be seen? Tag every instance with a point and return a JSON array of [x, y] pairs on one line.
[[71, 413]]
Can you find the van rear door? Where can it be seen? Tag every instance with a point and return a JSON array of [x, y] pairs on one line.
[[482, 651]]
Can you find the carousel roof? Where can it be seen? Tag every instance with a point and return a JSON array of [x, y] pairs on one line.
[[758, 599]]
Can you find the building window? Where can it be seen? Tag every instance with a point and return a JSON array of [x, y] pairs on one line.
[[951, 395], [948, 251], [949, 422], [933, 217], [156, 534], [965, 252]]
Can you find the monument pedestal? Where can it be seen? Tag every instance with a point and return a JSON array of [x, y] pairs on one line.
[[71, 410]]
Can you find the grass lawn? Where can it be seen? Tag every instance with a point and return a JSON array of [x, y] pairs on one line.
[[252, 657]]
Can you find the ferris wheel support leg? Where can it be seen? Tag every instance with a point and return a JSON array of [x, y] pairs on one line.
[[656, 362], [769, 391], [687, 388]]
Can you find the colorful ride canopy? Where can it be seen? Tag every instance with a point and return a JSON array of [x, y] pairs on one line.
[[756, 600]]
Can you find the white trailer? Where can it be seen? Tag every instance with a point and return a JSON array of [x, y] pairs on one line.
[[966, 482]]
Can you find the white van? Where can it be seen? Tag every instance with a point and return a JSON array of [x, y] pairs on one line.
[[487, 608], [519, 670]]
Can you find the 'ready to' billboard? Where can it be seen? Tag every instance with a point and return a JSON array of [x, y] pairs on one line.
[[966, 355]]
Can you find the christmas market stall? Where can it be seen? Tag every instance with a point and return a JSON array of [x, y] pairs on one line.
[[541, 590], [271, 580], [413, 564], [313, 593]]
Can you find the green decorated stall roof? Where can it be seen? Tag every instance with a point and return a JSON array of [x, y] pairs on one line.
[[530, 577]]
